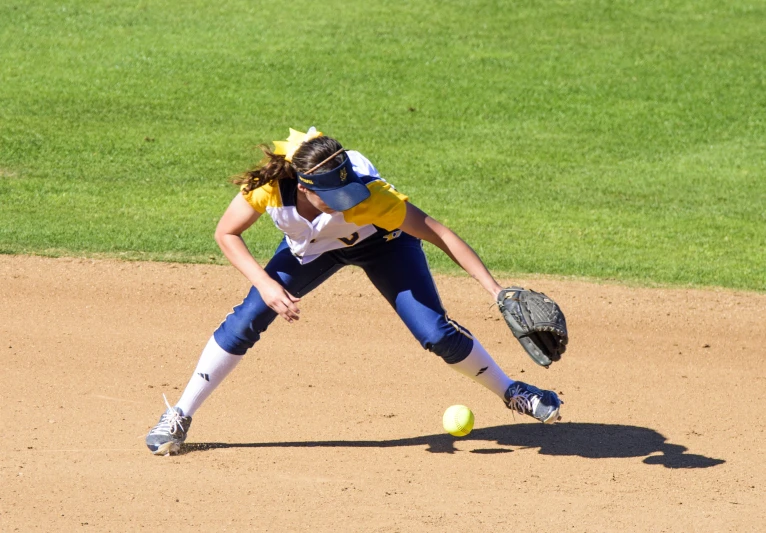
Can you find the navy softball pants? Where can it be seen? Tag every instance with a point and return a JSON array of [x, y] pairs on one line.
[[396, 266]]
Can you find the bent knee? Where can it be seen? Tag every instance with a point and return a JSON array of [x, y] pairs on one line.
[[452, 342], [242, 329], [236, 341]]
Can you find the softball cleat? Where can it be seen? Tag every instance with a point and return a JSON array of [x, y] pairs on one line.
[[170, 432], [544, 405]]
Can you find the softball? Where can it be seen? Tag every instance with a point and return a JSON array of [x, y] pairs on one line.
[[458, 420]]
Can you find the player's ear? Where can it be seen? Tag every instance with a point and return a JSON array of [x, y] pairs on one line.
[[301, 188]]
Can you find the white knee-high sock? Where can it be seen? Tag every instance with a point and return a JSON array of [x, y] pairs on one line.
[[213, 366], [480, 367]]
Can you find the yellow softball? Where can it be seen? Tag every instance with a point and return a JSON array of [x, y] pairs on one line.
[[458, 420]]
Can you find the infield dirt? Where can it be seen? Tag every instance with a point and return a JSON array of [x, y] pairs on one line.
[[334, 423]]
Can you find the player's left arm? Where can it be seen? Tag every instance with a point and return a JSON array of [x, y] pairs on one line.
[[420, 225]]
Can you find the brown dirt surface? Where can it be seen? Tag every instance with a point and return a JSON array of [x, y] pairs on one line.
[[334, 423]]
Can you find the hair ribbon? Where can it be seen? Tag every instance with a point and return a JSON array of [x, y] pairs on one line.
[[294, 141]]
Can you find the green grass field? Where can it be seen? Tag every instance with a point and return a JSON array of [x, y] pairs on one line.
[[622, 140]]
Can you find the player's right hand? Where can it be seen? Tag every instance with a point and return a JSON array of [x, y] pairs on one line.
[[280, 301]]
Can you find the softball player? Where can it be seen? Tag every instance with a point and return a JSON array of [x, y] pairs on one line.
[[335, 210]]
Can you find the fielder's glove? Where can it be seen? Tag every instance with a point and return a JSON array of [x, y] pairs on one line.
[[536, 321]]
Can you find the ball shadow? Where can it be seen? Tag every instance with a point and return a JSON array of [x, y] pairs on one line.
[[590, 441]]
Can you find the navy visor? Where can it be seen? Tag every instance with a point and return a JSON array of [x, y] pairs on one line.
[[339, 188]]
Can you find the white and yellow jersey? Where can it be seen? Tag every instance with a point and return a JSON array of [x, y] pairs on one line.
[[385, 208]]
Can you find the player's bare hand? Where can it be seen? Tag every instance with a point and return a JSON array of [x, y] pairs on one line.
[[280, 301]]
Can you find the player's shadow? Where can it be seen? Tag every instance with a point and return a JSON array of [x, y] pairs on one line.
[[592, 441]]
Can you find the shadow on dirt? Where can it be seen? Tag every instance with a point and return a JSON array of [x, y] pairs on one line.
[[592, 441]]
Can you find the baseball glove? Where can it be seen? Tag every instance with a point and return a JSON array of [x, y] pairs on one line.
[[536, 321]]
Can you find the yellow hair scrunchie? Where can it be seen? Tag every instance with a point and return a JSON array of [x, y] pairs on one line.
[[294, 141]]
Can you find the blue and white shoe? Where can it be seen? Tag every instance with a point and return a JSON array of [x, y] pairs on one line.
[[544, 405], [170, 432]]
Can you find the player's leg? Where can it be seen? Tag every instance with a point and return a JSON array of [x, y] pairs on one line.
[[239, 331], [400, 271], [242, 328]]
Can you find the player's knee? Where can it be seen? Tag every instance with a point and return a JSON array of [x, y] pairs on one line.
[[236, 340], [452, 343], [242, 328]]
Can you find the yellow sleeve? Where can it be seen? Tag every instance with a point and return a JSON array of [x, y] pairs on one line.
[[263, 197], [385, 207]]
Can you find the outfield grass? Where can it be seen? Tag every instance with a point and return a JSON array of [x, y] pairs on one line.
[[622, 140]]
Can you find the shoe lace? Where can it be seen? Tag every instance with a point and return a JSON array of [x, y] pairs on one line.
[[170, 421], [523, 401]]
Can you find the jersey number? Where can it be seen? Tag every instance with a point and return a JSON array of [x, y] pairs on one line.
[[351, 239]]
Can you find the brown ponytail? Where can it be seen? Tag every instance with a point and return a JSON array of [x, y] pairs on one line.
[[271, 168]]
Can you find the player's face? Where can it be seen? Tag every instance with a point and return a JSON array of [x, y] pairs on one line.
[[316, 201]]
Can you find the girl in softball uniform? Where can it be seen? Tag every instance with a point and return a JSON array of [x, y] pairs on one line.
[[334, 210]]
